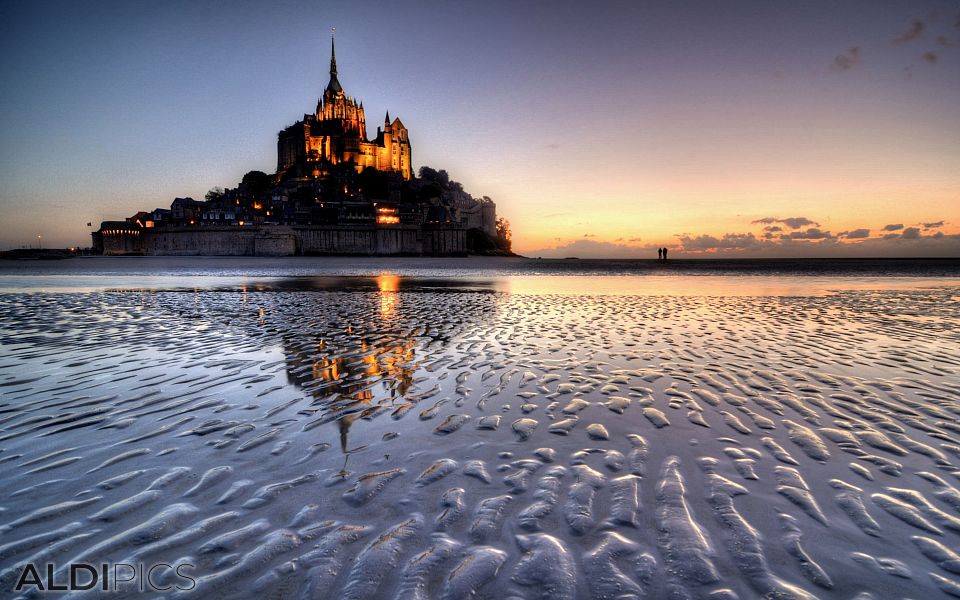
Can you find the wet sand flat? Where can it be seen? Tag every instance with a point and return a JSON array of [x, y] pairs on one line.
[[513, 439]]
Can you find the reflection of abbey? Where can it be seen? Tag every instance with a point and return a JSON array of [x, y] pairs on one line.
[[334, 192], [337, 133]]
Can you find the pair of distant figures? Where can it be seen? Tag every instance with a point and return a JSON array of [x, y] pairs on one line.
[[661, 253]]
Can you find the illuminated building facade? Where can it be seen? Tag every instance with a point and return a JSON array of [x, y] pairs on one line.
[[336, 133], [334, 192]]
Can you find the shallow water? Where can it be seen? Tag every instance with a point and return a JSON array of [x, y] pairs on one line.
[[500, 436]]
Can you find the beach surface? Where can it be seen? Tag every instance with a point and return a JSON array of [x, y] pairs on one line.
[[360, 428]]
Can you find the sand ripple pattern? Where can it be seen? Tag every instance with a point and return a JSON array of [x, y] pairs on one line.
[[453, 444]]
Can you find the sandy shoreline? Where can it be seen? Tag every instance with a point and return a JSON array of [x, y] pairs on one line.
[[390, 441]]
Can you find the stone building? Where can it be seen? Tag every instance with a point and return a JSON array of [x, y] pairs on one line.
[[334, 192], [336, 133]]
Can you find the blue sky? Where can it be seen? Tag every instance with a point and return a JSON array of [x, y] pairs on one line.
[[608, 127]]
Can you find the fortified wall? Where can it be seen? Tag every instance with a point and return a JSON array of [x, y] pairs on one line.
[[279, 240]]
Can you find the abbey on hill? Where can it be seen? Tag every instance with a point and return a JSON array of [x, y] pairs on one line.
[[334, 192], [337, 133]]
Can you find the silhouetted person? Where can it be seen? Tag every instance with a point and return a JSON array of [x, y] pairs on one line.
[[664, 254], [659, 253]]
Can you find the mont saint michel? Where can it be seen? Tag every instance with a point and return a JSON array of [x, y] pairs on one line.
[[723, 364], [334, 192]]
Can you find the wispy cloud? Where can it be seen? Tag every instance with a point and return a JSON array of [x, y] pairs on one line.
[[812, 233], [914, 32], [847, 60], [791, 222], [855, 234]]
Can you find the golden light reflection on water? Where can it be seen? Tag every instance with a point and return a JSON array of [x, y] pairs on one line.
[[362, 368], [367, 364], [708, 285], [388, 285]]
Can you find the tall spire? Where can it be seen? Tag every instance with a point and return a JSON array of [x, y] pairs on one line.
[[386, 120], [333, 54], [334, 85]]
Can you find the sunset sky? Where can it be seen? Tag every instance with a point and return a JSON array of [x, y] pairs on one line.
[[600, 129]]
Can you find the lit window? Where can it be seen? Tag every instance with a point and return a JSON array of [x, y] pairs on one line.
[[387, 215]]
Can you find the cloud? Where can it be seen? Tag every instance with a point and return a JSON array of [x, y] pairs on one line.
[[773, 228], [809, 243], [798, 222], [589, 235], [893, 227], [847, 60], [812, 233], [910, 243], [933, 225], [594, 249], [914, 32], [634, 240], [930, 56], [911, 233], [791, 222], [729, 241], [856, 234]]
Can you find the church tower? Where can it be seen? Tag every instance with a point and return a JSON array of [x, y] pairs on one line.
[[336, 133]]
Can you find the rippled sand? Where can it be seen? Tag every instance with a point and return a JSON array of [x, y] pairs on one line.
[[457, 444]]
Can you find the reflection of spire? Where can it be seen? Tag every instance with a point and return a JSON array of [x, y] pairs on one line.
[[334, 85], [343, 424], [352, 376]]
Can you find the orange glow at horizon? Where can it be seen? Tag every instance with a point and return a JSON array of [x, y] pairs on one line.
[[633, 216]]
